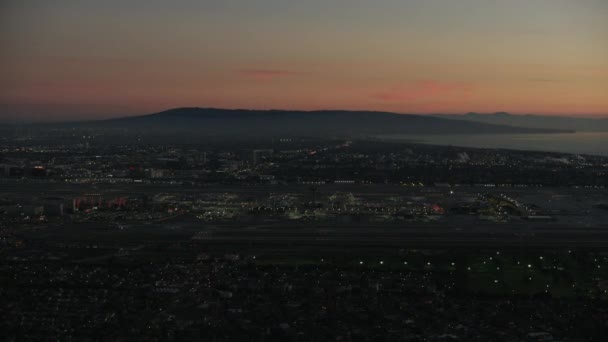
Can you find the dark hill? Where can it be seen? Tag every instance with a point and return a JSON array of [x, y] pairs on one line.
[[535, 121], [259, 123]]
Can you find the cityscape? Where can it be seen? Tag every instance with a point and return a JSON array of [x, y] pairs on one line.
[[319, 170], [352, 239]]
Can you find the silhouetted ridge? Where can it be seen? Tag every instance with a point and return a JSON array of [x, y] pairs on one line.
[[534, 121], [261, 123]]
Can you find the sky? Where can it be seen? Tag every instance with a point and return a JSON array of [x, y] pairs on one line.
[[90, 59]]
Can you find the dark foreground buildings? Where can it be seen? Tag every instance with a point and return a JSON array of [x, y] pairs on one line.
[[299, 239]]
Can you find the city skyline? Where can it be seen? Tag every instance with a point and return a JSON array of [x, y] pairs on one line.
[[87, 60]]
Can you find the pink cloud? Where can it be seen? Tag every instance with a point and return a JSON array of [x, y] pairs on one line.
[[424, 91], [267, 74]]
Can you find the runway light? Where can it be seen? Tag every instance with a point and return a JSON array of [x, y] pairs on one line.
[[360, 262], [529, 266], [381, 262]]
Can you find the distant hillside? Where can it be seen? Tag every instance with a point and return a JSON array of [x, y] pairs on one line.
[[260, 123], [535, 121]]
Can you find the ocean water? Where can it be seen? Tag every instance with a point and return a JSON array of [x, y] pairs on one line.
[[594, 143]]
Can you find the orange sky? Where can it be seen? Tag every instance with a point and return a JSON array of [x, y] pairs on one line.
[[84, 59]]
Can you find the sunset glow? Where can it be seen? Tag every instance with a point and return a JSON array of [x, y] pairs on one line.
[[71, 59]]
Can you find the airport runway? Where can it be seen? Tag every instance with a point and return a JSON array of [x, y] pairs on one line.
[[323, 237]]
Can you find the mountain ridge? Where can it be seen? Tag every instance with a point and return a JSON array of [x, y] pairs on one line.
[[533, 121], [306, 123], [192, 124]]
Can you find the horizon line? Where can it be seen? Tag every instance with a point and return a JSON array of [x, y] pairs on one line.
[[133, 114]]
